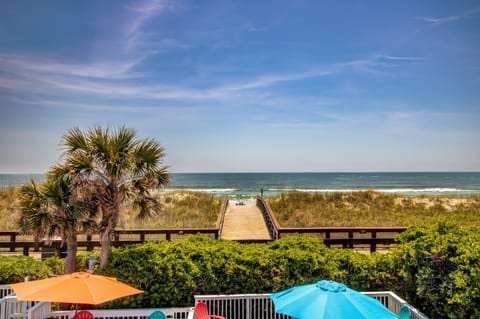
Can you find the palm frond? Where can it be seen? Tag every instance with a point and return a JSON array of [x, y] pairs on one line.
[[148, 206], [74, 140]]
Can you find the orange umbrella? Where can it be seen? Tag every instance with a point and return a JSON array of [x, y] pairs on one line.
[[75, 288]]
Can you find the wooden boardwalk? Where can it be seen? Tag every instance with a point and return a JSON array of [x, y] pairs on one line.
[[244, 222]]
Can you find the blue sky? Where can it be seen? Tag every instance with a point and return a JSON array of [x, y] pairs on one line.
[[247, 85]]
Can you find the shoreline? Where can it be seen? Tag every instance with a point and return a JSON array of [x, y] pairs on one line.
[[244, 185], [244, 194]]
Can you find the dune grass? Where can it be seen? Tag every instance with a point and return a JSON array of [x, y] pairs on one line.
[[296, 209], [9, 211], [179, 209], [369, 208]]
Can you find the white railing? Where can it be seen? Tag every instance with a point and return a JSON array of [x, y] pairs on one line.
[[247, 306], [393, 302], [40, 311], [260, 306], [5, 290], [143, 313], [10, 307]]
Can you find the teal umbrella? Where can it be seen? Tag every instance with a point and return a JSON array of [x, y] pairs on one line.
[[328, 300]]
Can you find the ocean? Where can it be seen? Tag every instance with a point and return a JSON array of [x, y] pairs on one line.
[[248, 185]]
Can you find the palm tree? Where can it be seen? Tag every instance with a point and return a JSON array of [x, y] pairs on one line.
[[52, 210], [118, 168]]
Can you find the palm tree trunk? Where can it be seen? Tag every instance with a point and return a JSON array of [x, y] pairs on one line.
[[106, 244], [107, 227], [71, 260]]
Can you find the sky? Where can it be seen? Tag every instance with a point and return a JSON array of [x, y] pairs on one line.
[[246, 86]]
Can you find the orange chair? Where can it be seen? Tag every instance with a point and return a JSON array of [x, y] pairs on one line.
[[84, 314], [201, 312]]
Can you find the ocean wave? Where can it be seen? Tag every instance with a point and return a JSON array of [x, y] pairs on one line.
[[323, 190], [424, 190], [205, 190], [392, 190]]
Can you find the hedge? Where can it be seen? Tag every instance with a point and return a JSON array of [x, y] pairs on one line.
[[435, 268]]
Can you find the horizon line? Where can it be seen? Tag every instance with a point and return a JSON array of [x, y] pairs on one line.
[[292, 172]]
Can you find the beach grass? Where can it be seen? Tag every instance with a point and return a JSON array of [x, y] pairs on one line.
[[179, 209], [296, 209], [372, 209], [9, 209]]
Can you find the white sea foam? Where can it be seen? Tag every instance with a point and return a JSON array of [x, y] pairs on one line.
[[422, 190], [329, 190], [391, 190], [211, 190]]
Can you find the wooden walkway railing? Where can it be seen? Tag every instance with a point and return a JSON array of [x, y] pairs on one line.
[[346, 237], [221, 216], [269, 217], [12, 240], [350, 237]]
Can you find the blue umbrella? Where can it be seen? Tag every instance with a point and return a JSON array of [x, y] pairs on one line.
[[328, 300]]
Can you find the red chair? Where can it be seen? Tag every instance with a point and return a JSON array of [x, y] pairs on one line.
[[201, 312], [84, 314]]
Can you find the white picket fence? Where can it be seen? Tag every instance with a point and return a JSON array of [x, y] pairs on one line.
[[260, 306], [241, 306]]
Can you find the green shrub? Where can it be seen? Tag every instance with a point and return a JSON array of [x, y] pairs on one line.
[[171, 273], [16, 268], [56, 265], [435, 268], [441, 269]]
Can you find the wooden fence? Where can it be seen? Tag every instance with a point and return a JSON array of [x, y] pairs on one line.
[[353, 237], [345, 237], [11, 241]]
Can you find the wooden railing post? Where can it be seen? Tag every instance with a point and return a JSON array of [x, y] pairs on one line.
[[350, 237], [269, 217], [13, 237], [221, 217], [327, 236], [373, 244], [89, 242]]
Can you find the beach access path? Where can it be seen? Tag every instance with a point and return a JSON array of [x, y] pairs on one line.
[[244, 222]]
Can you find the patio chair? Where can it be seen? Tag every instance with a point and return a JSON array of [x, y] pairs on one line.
[[404, 312], [157, 314], [84, 314], [201, 312]]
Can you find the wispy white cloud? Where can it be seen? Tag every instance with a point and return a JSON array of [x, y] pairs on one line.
[[145, 11], [85, 106], [271, 80], [444, 19], [399, 58], [299, 125], [134, 34], [26, 65], [463, 16], [32, 74], [372, 65]]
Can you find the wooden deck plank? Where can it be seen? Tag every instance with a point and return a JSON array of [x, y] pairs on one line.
[[244, 223]]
